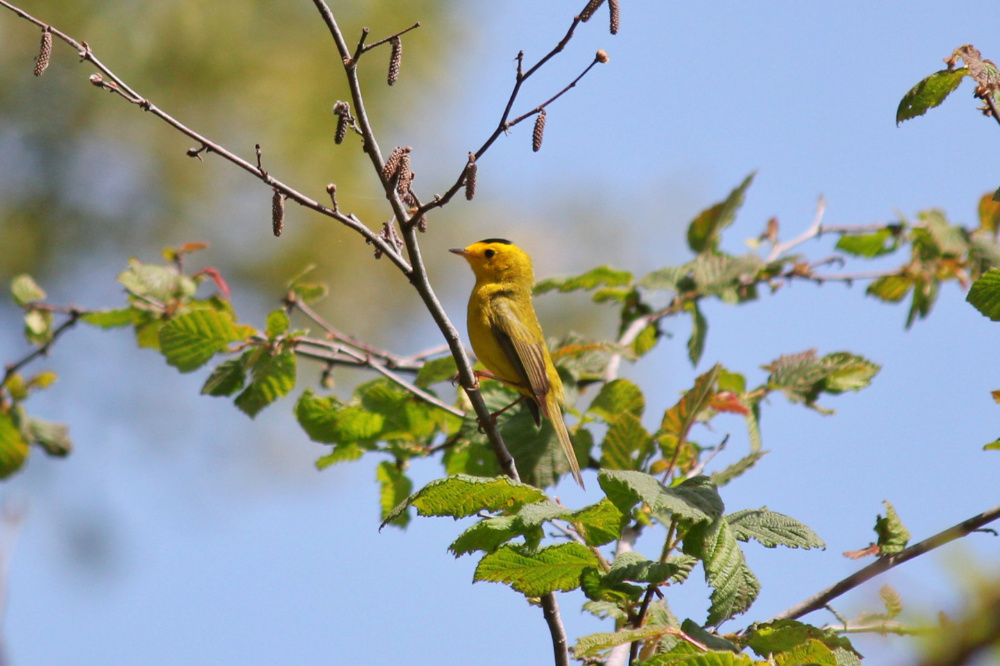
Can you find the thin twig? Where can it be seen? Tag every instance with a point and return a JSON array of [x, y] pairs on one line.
[[883, 564], [814, 231], [504, 124], [369, 362], [12, 368], [988, 98], [110, 81], [363, 48]]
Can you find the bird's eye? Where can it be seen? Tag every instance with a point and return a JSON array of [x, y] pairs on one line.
[[489, 254]]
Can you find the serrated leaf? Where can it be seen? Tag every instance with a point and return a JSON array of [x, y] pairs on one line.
[[13, 448], [892, 534], [330, 421], [869, 245], [112, 318], [737, 469], [277, 323], [665, 279], [626, 444], [25, 290], [227, 378], [782, 636], [729, 278], [618, 397], [705, 659], [602, 276], [704, 231], [463, 495], [310, 292], [159, 283], [984, 295], [772, 529], [395, 487], [930, 92], [635, 567], [892, 601], [438, 370], [536, 572], [695, 500], [599, 523], [188, 341], [709, 639], [594, 644], [645, 341], [340, 453], [273, 378], [487, 535], [734, 586], [803, 377]]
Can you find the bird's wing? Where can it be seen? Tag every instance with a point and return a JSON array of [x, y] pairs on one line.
[[527, 357]]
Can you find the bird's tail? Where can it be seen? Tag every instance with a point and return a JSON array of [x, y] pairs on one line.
[[555, 415]]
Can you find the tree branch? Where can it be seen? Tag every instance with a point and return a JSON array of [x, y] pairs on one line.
[[12, 368], [108, 80], [883, 564]]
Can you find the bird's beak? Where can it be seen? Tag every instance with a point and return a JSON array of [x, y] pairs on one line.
[[459, 250]]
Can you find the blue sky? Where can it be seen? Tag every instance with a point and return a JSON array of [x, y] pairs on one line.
[[229, 554]]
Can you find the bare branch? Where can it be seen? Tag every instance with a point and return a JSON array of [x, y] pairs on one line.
[[108, 80], [70, 322]]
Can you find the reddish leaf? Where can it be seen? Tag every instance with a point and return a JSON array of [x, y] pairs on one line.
[[727, 401], [216, 277]]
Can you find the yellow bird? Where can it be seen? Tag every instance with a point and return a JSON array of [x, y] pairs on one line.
[[507, 337]]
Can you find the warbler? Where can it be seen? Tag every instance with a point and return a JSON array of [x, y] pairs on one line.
[[506, 336]]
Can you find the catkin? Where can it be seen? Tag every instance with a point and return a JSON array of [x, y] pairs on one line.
[[403, 174], [470, 180], [615, 18], [44, 52], [589, 10], [392, 162], [277, 213], [395, 59], [539, 131], [343, 112]]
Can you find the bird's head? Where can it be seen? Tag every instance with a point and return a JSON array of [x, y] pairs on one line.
[[498, 260]]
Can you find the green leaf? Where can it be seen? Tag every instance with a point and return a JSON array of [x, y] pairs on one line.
[[737, 469], [159, 283], [188, 341], [52, 437], [310, 292], [734, 586], [869, 245], [924, 296], [704, 231], [277, 323], [626, 444], [771, 529], [701, 659], [228, 377], [273, 377], [645, 341], [330, 421], [463, 495], [784, 636], [25, 290], [892, 534], [984, 295], [711, 640], [601, 276], [891, 288], [811, 652], [699, 331], [599, 523], [487, 535], [38, 326], [695, 500], [595, 644], [892, 601], [439, 370], [534, 573], [395, 487], [731, 279], [635, 567], [13, 447], [340, 453], [666, 279], [804, 377], [112, 318], [618, 397], [929, 93]]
